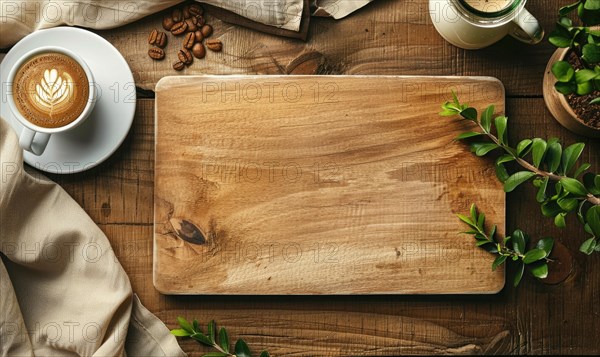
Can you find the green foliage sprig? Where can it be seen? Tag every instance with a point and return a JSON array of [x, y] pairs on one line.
[[513, 248], [585, 42], [550, 163], [221, 344]]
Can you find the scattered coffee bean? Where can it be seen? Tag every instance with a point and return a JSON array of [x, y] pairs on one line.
[[161, 39], [168, 23], [186, 12], [207, 30], [189, 40], [198, 50], [196, 10], [178, 66], [214, 45], [185, 56], [200, 20], [152, 37], [177, 15], [156, 53], [192, 24], [199, 36], [179, 28]]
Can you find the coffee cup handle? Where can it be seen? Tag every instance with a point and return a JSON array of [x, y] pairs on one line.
[[33, 141], [527, 28]]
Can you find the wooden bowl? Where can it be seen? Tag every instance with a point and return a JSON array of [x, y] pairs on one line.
[[557, 103]]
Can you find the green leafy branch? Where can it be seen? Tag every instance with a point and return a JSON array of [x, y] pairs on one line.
[[549, 163], [586, 44], [511, 248], [221, 344]]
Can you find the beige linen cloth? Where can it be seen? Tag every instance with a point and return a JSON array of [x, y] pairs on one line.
[[62, 290], [18, 18]]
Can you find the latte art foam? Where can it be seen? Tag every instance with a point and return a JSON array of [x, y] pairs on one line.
[[50, 90], [489, 5]]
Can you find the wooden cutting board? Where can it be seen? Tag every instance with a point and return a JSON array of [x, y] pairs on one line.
[[319, 185]]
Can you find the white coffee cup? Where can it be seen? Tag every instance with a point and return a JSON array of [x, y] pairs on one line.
[[467, 27], [34, 138]]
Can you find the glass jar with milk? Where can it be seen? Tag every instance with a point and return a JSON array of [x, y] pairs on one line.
[[473, 24]]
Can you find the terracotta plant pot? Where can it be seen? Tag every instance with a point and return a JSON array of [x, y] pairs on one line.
[[557, 102]]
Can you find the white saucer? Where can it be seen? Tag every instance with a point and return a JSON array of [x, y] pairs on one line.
[[102, 133]]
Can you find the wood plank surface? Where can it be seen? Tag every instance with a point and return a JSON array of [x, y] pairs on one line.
[[318, 185], [386, 37], [534, 318]]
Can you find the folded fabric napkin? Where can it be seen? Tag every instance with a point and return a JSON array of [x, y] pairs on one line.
[[20, 18], [62, 290]]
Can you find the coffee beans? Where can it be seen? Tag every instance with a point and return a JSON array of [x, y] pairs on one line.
[[198, 50], [195, 10], [179, 28], [156, 53], [206, 30], [185, 20], [192, 24], [157, 38], [178, 66], [185, 56], [214, 45], [168, 23], [189, 40]]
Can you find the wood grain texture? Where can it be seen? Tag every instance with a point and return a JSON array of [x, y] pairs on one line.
[[383, 38], [535, 318], [318, 185]]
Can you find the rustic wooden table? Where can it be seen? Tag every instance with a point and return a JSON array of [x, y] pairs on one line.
[[386, 37]]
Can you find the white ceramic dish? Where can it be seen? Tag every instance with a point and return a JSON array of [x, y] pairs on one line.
[[104, 131]]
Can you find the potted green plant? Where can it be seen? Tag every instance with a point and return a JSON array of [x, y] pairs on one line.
[[572, 79]]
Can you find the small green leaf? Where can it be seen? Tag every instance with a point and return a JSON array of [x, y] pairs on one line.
[[180, 332], [585, 75], [563, 71], [264, 354], [524, 147], [581, 169], [588, 246], [593, 220], [570, 156], [215, 354], [573, 186], [501, 123], [539, 150], [567, 204], [196, 326], [211, 331], [546, 244], [591, 53], [241, 349], [473, 212], [481, 221], [541, 194], [202, 339], [224, 340], [518, 239], [550, 209], [469, 113], [185, 324], [519, 274], [534, 255], [566, 88], [567, 9], [501, 173], [486, 118], [505, 158], [559, 220], [498, 261], [482, 149], [596, 100], [516, 179], [592, 183], [553, 156], [467, 220], [585, 88], [467, 135], [592, 4], [539, 270]]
